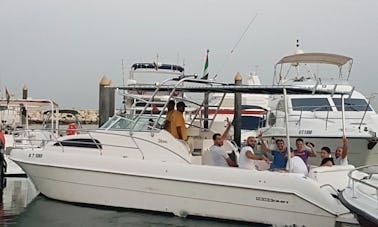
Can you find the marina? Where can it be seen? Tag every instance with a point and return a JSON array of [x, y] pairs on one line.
[[142, 162], [165, 113]]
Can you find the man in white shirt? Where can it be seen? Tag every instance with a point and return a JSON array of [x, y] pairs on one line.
[[247, 156], [341, 153], [218, 156], [297, 165]]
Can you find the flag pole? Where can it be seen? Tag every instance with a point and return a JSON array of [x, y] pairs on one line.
[[206, 95]]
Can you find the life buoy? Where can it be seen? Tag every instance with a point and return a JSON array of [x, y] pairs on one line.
[[71, 129]]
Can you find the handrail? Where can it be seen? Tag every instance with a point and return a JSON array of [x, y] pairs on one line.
[[353, 180], [366, 109]]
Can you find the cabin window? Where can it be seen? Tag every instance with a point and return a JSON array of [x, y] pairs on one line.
[[252, 122], [310, 104], [352, 104], [80, 142]]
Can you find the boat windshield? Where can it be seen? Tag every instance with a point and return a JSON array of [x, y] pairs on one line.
[[352, 104], [144, 123], [310, 104]]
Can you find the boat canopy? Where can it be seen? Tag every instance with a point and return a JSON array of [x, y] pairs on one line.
[[157, 66], [324, 58]]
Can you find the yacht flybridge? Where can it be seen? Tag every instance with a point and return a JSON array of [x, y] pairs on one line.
[[131, 162], [320, 119]]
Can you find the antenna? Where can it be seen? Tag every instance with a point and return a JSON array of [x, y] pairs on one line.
[[237, 43], [123, 73]]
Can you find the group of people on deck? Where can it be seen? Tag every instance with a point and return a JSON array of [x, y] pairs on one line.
[[299, 156], [175, 124]]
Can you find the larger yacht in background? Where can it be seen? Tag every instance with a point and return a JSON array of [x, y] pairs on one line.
[[131, 162], [319, 119]]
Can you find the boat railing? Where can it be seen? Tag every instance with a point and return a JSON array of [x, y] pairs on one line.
[[366, 109], [363, 175], [315, 109], [151, 101]]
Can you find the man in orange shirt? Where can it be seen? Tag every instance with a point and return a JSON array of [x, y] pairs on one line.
[[178, 129]]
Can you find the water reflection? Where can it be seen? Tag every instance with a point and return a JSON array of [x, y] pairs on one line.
[[22, 207], [17, 194]]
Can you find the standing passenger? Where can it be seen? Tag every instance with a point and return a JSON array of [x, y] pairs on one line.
[[178, 123], [168, 116]]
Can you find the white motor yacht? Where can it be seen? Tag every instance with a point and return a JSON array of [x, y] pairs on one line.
[[319, 119], [361, 194], [131, 162], [15, 125]]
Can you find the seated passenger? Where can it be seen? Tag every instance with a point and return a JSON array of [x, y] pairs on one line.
[[178, 129], [296, 164], [303, 153], [341, 153], [218, 156], [325, 154], [168, 116], [247, 155], [279, 155]]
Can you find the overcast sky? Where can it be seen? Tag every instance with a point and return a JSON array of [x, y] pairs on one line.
[[60, 49]]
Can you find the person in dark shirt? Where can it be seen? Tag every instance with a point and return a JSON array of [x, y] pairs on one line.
[[325, 154]]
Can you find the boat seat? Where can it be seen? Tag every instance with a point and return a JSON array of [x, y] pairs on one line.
[[206, 160]]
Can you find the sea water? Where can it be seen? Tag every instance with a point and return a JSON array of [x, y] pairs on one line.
[[22, 205]]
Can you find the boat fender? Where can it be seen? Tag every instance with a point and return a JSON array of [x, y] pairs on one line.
[[71, 129]]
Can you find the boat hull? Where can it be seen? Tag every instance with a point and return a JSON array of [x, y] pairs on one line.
[[364, 206], [172, 192]]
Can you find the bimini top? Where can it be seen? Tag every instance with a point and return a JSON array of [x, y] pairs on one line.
[[157, 66], [324, 58]]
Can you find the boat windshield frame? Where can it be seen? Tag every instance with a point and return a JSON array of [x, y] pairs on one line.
[[192, 85]]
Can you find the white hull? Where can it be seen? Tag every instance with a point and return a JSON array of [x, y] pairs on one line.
[[361, 195], [185, 189]]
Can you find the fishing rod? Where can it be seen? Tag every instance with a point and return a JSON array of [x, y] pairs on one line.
[[236, 45]]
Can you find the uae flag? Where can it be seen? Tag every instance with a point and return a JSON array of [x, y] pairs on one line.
[[206, 68], [7, 95]]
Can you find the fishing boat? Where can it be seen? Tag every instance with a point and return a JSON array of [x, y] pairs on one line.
[[131, 162], [361, 194], [320, 119]]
